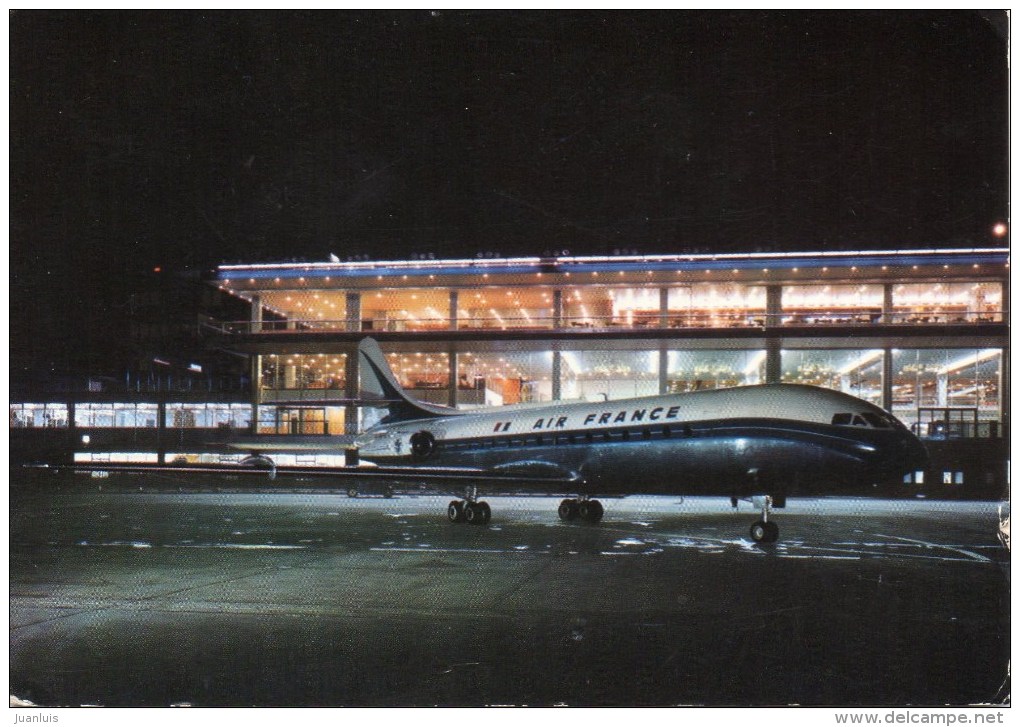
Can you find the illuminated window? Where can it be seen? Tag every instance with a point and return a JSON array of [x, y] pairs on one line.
[[502, 308], [820, 305], [855, 372], [698, 370], [304, 310], [723, 305], [325, 371], [946, 378], [497, 379], [919, 303], [207, 416], [38, 415], [405, 309], [104, 415], [606, 375]]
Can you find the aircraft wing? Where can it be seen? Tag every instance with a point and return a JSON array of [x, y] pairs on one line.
[[294, 443], [519, 474]]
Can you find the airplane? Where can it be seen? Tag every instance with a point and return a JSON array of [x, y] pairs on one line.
[[768, 441]]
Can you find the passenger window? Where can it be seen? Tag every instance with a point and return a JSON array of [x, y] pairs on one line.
[[842, 419], [859, 422]]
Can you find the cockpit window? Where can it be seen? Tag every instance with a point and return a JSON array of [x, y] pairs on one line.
[[849, 420], [876, 420], [864, 419]]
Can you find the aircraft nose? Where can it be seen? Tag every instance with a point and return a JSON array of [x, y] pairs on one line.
[[915, 456]]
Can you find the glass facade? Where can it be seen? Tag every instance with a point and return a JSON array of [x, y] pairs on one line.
[[920, 303], [606, 375], [207, 416], [401, 309], [115, 415], [503, 308], [303, 310], [832, 304], [599, 304], [855, 372], [303, 371], [947, 378], [716, 305], [38, 415], [421, 371], [698, 370], [285, 419], [503, 378]]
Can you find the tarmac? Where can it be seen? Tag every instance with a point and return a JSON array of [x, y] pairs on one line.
[[125, 596]]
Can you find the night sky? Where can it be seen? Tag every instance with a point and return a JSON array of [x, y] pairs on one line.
[[186, 139]]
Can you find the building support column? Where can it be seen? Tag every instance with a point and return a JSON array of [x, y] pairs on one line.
[[454, 309], [353, 316], [1004, 305], [887, 304], [557, 375], [663, 369], [256, 390], [557, 309], [663, 308], [256, 314], [773, 360], [773, 305], [161, 429], [454, 374], [773, 343], [887, 380], [1004, 391], [352, 390], [942, 389]]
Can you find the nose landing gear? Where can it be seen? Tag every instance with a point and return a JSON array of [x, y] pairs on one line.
[[765, 530]]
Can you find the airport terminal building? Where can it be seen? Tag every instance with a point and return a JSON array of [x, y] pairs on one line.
[[917, 333], [923, 334]]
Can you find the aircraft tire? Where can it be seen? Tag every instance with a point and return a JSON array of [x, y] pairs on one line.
[[764, 532], [591, 511], [568, 510], [477, 513], [455, 511]]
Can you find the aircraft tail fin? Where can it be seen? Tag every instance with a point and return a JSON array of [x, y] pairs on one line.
[[377, 380]]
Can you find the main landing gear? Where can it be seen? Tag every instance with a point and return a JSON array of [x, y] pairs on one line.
[[765, 530], [588, 510], [469, 510]]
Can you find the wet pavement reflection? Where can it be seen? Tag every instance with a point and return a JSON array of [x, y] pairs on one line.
[[121, 596]]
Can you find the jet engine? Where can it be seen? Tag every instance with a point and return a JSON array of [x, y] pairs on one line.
[[423, 444]]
